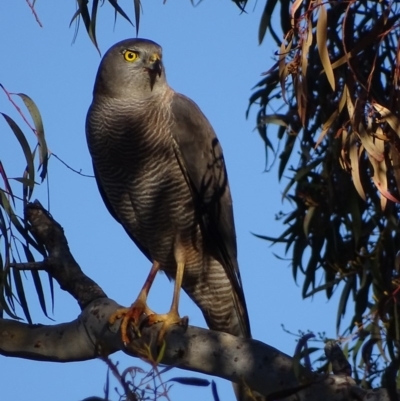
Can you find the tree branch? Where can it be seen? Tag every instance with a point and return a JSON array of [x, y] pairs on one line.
[[260, 366], [60, 263], [34, 13]]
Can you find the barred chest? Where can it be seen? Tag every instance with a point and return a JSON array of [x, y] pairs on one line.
[[145, 184]]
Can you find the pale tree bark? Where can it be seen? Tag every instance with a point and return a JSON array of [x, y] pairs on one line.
[[262, 367]]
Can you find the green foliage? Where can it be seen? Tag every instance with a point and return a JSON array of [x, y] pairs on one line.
[[335, 84], [138, 384], [333, 93], [89, 16], [15, 237], [17, 245]]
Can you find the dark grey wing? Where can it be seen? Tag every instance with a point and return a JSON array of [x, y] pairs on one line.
[[200, 156], [113, 214]]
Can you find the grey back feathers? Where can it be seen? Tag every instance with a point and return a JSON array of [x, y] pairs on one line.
[[161, 173]]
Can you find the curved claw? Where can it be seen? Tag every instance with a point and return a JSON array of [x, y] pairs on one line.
[[130, 316], [168, 319]]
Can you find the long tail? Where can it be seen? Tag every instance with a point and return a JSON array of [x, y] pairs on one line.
[[242, 392], [223, 310]]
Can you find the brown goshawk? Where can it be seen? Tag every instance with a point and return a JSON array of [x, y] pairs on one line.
[[161, 172]]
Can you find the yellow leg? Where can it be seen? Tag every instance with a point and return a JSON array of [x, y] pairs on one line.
[[177, 288], [172, 317], [133, 314]]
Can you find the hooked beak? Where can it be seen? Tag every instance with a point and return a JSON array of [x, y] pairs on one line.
[[155, 65], [154, 68]]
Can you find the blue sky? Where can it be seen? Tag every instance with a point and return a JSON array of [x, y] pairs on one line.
[[211, 54]]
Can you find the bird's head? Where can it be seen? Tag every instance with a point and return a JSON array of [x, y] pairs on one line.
[[132, 67]]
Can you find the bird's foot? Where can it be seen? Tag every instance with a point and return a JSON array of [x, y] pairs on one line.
[[168, 319], [130, 317]]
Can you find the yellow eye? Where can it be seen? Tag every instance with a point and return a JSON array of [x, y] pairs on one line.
[[130, 56]]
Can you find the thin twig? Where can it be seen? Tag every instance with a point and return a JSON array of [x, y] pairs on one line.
[[11, 194], [34, 13], [60, 263], [72, 169], [130, 395], [22, 114], [18, 109], [162, 384], [33, 266]]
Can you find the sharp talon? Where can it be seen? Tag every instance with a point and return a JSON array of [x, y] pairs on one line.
[[144, 323], [168, 319], [184, 322], [130, 319]]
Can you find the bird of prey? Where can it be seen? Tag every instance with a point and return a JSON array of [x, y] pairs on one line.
[[161, 172]]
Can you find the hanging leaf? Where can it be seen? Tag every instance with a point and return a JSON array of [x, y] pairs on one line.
[[370, 144], [89, 24], [21, 293], [354, 161], [325, 128], [307, 219], [191, 381], [24, 145], [295, 6], [137, 7], [119, 10], [322, 35], [6, 183], [214, 391], [348, 287], [388, 116], [266, 19], [36, 280], [37, 121]]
